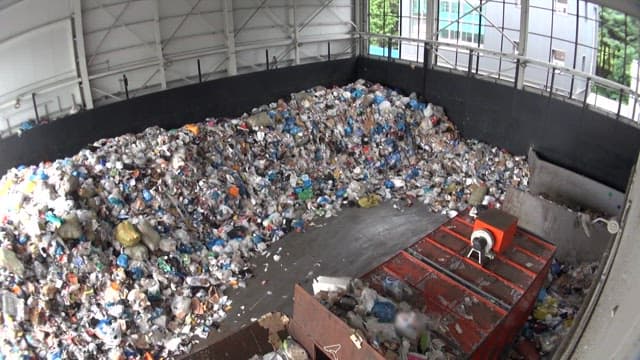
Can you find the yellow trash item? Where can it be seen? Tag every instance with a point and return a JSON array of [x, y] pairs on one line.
[[127, 234], [369, 201], [195, 130]]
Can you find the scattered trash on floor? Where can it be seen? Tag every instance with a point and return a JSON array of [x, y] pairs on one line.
[[126, 249], [555, 310]]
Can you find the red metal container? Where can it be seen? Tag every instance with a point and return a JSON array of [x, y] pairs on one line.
[[479, 308]]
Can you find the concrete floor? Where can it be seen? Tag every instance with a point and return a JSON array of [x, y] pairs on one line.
[[347, 245]]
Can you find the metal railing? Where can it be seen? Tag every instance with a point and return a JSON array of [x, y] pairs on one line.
[[519, 65]]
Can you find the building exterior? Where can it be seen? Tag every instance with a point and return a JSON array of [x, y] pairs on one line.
[[561, 32]]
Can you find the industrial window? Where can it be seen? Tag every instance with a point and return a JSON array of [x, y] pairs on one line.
[[561, 6], [384, 19], [444, 7], [419, 7], [558, 57]]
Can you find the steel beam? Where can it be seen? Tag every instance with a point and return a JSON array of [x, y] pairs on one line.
[[158, 39], [431, 31], [184, 18], [232, 64], [315, 14], [294, 31], [81, 55], [522, 42]]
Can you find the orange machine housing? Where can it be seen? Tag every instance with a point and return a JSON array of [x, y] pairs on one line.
[[479, 308], [502, 225]]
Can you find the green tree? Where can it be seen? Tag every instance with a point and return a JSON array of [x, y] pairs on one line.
[[612, 63], [383, 19]]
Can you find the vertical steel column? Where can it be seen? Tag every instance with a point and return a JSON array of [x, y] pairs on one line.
[[431, 30], [522, 42], [158, 43], [575, 47], [479, 31], [294, 31], [501, 42], [229, 32], [81, 54], [553, 15]]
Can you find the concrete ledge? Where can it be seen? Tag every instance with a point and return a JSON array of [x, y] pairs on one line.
[[570, 188], [558, 225]]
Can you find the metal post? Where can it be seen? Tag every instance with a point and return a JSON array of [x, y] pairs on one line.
[[199, 72], [619, 104], [266, 55], [35, 107], [553, 79], [586, 93], [470, 65], [389, 49], [329, 50], [126, 85], [515, 80]]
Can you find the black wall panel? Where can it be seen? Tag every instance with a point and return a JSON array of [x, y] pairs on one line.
[[224, 97], [587, 142], [582, 140]]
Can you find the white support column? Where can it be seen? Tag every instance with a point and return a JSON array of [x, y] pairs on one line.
[[522, 40], [357, 18], [293, 23], [232, 65], [432, 29], [82, 56], [158, 39]]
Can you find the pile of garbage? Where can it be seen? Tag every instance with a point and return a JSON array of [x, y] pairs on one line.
[[557, 306], [126, 248], [389, 323]]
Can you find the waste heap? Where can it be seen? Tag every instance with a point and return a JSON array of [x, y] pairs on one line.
[[388, 322], [556, 308], [126, 248]]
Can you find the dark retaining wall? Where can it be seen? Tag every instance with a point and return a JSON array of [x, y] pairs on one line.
[[581, 140], [172, 108]]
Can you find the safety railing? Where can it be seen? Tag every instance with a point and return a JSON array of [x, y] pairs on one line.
[[559, 81]]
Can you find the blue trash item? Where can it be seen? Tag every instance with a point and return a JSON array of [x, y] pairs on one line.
[[52, 218], [393, 287], [298, 224], [341, 192], [115, 201], [215, 242], [389, 184], [137, 273], [348, 130], [122, 261], [378, 99], [257, 239], [384, 311], [185, 249], [556, 268], [542, 295], [357, 93], [146, 195]]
